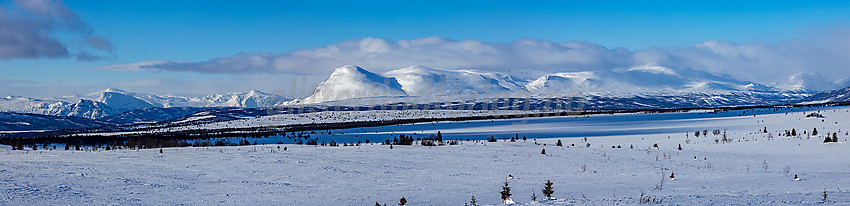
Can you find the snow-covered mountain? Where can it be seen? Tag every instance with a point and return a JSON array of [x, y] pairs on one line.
[[404, 84], [841, 95], [420, 80], [115, 101], [646, 80], [82, 108], [134, 100], [120, 100], [651, 86], [807, 82], [354, 82]]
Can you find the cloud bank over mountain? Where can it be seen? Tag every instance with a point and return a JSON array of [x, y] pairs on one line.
[[822, 51]]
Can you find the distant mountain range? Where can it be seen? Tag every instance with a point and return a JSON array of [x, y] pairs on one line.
[[111, 102], [428, 84], [419, 87]]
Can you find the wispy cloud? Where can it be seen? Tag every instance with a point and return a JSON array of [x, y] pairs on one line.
[[825, 51], [28, 30]]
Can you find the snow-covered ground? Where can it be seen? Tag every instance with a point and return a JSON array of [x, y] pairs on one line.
[[751, 169]]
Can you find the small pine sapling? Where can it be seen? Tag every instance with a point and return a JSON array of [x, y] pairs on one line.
[[506, 194], [533, 196], [543, 152], [548, 190], [559, 143]]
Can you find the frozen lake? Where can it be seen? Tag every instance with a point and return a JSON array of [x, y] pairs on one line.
[[550, 127]]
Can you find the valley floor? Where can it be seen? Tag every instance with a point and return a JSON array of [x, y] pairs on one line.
[[754, 168]]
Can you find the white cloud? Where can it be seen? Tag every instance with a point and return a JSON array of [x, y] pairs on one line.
[[823, 52]]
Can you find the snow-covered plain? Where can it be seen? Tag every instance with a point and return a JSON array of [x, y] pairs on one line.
[[751, 169]]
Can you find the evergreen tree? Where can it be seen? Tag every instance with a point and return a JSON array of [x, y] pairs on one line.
[[160, 150], [473, 202], [559, 143], [680, 146], [402, 201], [506, 192], [439, 136], [543, 152], [793, 132], [547, 190], [377, 204], [815, 131]]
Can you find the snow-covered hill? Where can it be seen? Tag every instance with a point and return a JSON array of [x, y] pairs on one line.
[[424, 81], [120, 100], [429, 84], [354, 82]]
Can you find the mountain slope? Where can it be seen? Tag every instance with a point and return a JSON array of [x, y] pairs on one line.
[[841, 95], [28, 122], [354, 82], [420, 80], [119, 100]]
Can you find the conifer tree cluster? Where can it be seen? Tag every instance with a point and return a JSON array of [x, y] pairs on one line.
[[833, 139]]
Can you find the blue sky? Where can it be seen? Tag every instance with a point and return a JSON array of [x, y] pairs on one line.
[[197, 31]]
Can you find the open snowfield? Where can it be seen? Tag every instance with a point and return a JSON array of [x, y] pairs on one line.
[[751, 169]]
